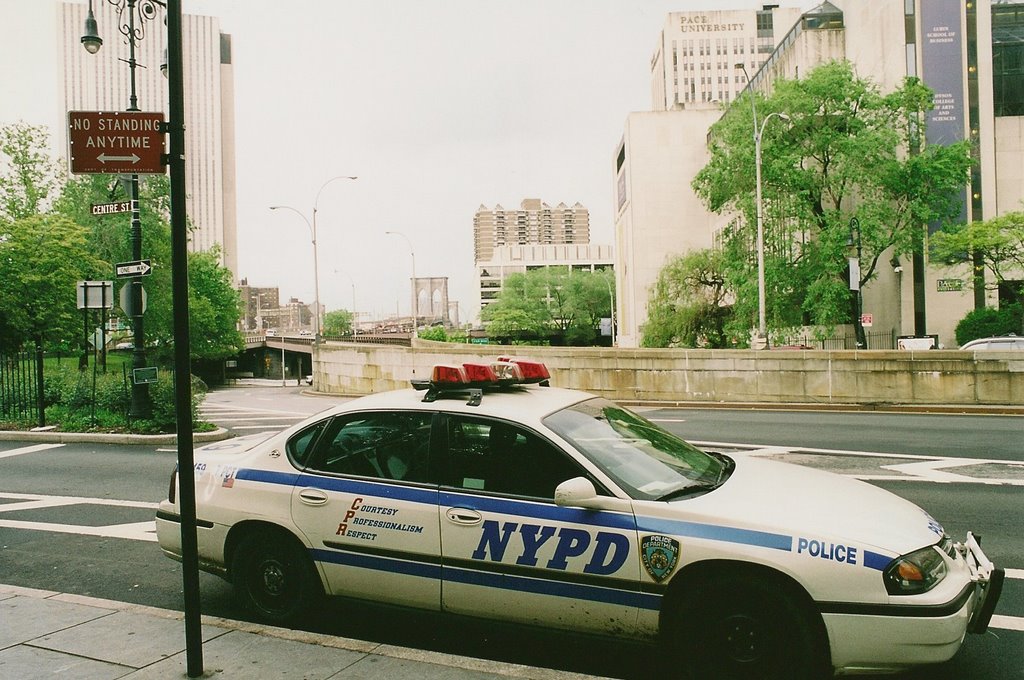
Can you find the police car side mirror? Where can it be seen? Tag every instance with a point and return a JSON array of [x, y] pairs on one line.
[[579, 492], [575, 492]]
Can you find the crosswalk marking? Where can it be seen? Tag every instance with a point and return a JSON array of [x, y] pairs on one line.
[[29, 449]]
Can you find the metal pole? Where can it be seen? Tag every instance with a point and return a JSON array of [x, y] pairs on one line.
[[415, 295], [762, 325], [182, 359], [316, 269], [140, 404], [281, 340]]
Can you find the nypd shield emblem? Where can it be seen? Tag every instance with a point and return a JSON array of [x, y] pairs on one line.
[[660, 555]]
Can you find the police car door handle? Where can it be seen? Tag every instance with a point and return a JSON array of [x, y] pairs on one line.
[[313, 497], [463, 516]]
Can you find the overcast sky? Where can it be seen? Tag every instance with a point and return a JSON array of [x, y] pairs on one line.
[[438, 106]]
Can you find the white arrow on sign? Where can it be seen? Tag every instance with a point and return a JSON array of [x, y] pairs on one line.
[[103, 158], [140, 268]]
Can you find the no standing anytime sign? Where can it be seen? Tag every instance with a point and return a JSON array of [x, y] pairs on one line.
[[116, 142]]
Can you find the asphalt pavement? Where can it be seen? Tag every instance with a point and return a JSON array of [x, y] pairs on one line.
[[47, 634]]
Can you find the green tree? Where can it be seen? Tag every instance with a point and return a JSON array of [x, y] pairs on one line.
[[338, 322], [28, 176], [520, 311], [214, 308], [42, 258], [553, 304], [687, 306], [847, 151], [998, 242]]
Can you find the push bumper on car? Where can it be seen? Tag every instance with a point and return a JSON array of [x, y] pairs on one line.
[[988, 580]]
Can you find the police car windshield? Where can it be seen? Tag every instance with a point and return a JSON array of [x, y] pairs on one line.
[[645, 460]]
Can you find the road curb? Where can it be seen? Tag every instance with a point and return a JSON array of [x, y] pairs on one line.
[[51, 437]]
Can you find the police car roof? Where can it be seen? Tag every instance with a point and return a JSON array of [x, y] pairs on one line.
[[521, 402]]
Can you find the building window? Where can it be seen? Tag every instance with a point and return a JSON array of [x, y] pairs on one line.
[[1008, 59]]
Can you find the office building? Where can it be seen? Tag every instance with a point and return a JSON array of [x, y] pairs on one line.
[[971, 55], [693, 63]]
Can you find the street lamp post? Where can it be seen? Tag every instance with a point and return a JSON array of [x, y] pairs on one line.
[[611, 298], [134, 30], [415, 296], [858, 300], [762, 323], [316, 258], [353, 282]]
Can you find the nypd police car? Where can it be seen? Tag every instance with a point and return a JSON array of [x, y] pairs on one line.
[[484, 492]]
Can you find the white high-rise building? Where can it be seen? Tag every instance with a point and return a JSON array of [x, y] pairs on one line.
[[101, 82], [695, 60]]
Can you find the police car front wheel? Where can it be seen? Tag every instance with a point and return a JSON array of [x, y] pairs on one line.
[[274, 578], [741, 628]]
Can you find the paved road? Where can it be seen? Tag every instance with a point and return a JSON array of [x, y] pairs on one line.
[[78, 518]]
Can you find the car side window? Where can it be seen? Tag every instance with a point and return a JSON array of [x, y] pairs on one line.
[[492, 455], [300, 447], [384, 445]]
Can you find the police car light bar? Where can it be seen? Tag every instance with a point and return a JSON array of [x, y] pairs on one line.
[[473, 378]]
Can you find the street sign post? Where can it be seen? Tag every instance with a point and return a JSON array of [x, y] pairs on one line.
[[116, 142], [128, 270]]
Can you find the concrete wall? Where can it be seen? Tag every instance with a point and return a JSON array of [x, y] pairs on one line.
[[678, 375]]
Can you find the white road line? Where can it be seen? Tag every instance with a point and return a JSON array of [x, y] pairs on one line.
[[923, 468], [252, 420], [1007, 622], [1015, 573], [138, 531], [29, 449], [74, 500], [244, 409]]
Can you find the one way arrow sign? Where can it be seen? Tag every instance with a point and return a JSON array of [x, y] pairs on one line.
[[129, 270]]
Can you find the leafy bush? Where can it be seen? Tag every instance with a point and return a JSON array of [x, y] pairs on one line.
[[988, 322], [71, 405], [436, 333]]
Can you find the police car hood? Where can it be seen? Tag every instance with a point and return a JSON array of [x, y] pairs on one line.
[[802, 502]]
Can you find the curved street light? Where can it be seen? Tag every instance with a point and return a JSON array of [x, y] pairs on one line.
[[762, 324], [316, 259]]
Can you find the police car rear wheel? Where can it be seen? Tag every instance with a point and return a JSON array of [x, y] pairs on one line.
[[740, 629], [274, 578]]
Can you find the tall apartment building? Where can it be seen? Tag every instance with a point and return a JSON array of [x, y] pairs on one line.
[[694, 61], [100, 82], [970, 53], [534, 222]]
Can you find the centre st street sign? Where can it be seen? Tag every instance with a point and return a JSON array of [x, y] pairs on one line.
[[116, 142], [110, 208]]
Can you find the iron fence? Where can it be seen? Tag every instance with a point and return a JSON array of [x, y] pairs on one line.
[[19, 388], [876, 340]]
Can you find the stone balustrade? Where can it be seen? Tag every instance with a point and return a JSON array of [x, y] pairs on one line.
[[692, 375]]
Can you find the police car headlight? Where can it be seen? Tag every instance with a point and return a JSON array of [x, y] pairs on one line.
[[916, 572]]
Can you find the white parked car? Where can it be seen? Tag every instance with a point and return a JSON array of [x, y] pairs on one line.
[[526, 503], [1006, 342]]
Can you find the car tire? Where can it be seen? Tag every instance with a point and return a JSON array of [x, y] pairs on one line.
[[275, 579], [745, 628]]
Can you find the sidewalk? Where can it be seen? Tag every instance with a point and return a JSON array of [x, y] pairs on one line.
[[45, 634]]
